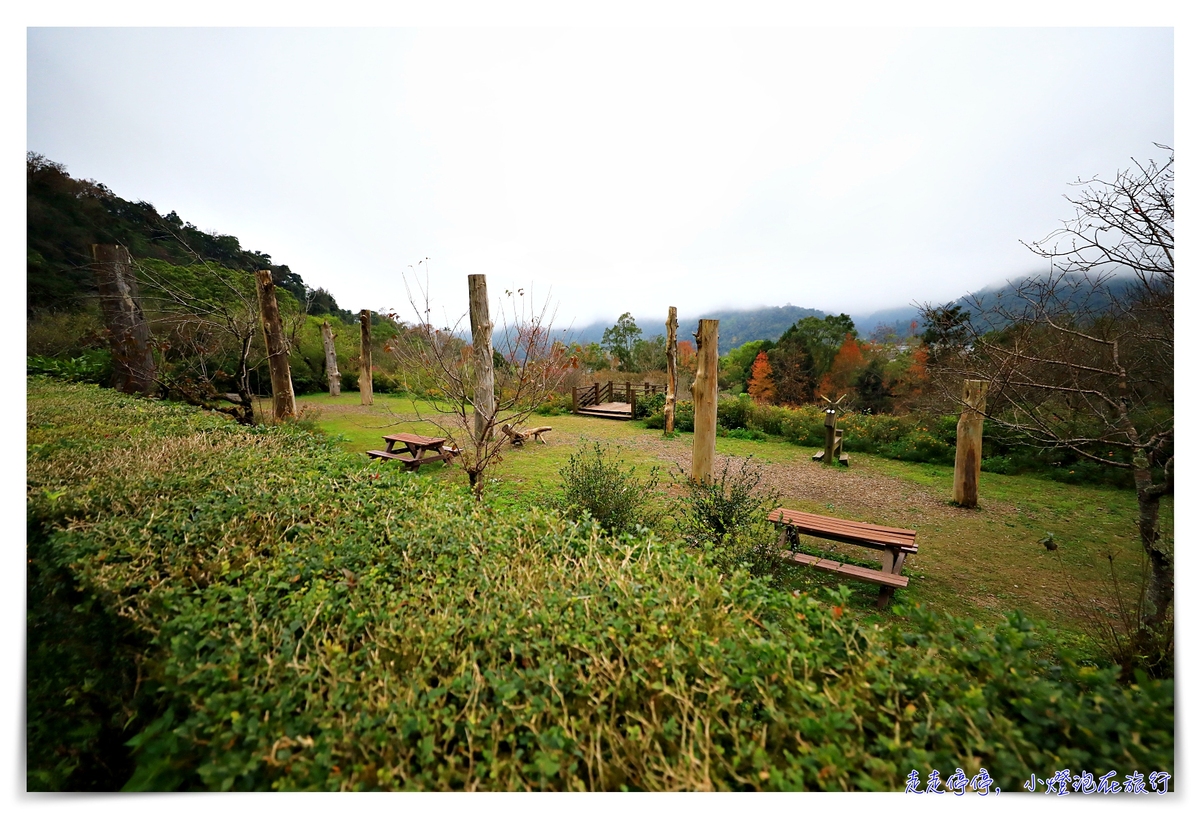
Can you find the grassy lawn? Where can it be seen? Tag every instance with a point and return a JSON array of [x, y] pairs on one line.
[[981, 563]]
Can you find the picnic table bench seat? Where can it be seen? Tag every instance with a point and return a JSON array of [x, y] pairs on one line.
[[894, 543], [417, 450]]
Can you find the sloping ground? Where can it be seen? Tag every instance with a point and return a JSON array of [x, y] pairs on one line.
[[284, 616]]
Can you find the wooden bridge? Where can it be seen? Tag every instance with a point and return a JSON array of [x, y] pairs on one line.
[[609, 400]]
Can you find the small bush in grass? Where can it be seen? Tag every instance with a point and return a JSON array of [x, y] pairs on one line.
[[727, 518], [594, 482], [555, 404]]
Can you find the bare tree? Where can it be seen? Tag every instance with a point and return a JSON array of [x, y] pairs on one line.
[[204, 318], [438, 365], [1083, 359]]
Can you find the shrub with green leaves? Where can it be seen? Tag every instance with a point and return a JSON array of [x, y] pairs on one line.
[[263, 611], [727, 518], [594, 485]]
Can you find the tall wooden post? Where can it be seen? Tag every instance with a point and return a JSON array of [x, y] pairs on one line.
[[704, 402], [331, 367], [284, 399], [672, 350], [366, 386], [481, 342], [129, 334], [969, 452]]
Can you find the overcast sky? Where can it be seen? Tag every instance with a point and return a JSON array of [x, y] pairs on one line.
[[839, 169]]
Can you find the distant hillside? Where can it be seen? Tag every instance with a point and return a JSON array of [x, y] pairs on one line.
[[737, 326], [65, 216]]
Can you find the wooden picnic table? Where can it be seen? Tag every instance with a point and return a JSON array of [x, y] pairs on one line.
[[895, 543], [416, 451]]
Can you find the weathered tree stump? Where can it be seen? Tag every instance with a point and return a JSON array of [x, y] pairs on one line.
[[969, 450], [283, 397], [704, 402], [331, 366], [366, 385], [129, 334], [672, 351]]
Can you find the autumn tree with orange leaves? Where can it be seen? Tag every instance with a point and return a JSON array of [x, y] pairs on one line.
[[762, 384]]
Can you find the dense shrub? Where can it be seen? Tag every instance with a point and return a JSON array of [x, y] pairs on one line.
[[296, 618], [646, 406], [92, 366], [556, 403], [596, 487], [685, 418], [727, 518]]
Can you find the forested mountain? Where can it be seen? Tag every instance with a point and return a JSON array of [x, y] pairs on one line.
[[737, 326], [65, 216]]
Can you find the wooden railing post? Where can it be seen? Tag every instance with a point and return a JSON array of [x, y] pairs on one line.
[[969, 451], [574, 399]]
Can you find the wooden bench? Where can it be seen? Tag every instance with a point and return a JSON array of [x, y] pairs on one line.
[[894, 543], [418, 450]]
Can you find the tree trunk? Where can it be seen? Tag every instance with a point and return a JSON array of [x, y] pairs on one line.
[[284, 403], [704, 402], [481, 341], [672, 384], [366, 387], [129, 335], [969, 453], [331, 367], [1160, 588]]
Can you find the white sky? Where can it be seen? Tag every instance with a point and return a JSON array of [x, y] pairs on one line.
[[842, 169]]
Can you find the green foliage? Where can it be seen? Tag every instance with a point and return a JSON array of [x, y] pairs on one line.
[[595, 487], [734, 367], [652, 404], [556, 403], [727, 518], [93, 366], [358, 627], [620, 340], [685, 417]]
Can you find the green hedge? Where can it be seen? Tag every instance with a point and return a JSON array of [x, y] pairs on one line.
[[302, 619]]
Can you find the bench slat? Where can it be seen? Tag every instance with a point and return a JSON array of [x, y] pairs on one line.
[[846, 531], [853, 571]]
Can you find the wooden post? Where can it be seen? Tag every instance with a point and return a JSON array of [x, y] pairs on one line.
[[574, 400], [830, 428], [331, 367], [366, 384], [129, 334], [481, 341], [970, 444], [284, 399], [704, 401], [672, 349]]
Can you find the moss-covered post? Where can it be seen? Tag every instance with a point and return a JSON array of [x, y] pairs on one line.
[[969, 452], [704, 401], [672, 351], [283, 404], [481, 343], [366, 387], [331, 367], [128, 332]]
